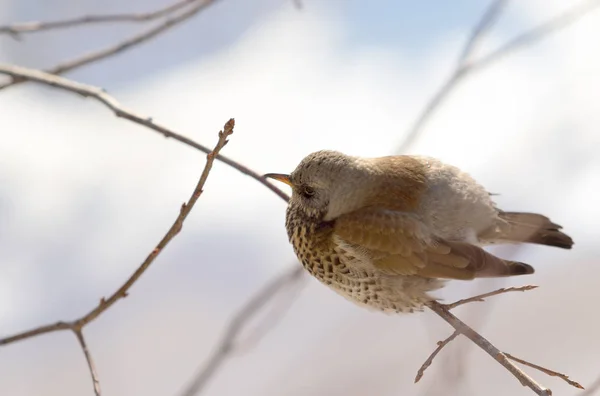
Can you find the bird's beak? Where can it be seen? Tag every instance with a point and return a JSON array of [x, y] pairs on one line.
[[279, 177]]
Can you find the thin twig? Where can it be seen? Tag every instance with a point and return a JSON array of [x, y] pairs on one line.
[[90, 361], [263, 296], [544, 370], [466, 68], [228, 342], [490, 349], [120, 111], [481, 297], [58, 326], [104, 304], [440, 346], [477, 298], [77, 325], [18, 28], [460, 327], [123, 45]]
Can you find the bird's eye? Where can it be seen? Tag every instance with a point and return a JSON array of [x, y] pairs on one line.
[[307, 192]]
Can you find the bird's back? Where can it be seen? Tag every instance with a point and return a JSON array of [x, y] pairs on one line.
[[452, 204]]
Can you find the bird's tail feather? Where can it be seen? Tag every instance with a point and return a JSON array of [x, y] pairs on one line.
[[528, 228]]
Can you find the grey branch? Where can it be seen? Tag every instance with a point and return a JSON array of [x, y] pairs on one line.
[[465, 67], [122, 112], [126, 44], [77, 325], [429, 360], [90, 361], [15, 29], [481, 297], [443, 310], [227, 345], [487, 20], [490, 349], [544, 370]]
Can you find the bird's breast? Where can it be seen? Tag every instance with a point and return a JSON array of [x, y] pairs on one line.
[[314, 246]]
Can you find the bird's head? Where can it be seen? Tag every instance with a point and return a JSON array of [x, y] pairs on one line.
[[325, 184]]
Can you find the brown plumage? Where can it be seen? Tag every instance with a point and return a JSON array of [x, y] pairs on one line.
[[384, 232]]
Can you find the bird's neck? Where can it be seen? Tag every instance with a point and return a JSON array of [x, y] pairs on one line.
[[298, 221]]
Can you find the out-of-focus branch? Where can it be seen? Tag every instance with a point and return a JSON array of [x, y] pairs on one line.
[[120, 111], [228, 345], [128, 43], [487, 20], [443, 310], [15, 29], [77, 325], [465, 67], [560, 22], [280, 306]]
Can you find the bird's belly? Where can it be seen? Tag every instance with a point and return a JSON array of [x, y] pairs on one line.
[[376, 291]]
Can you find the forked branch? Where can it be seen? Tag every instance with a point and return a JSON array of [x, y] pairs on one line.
[[77, 325], [466, 66], [130, 42], [443, 310], [15, 29]]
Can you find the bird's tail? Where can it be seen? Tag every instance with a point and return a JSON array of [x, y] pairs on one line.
[[528, 228]]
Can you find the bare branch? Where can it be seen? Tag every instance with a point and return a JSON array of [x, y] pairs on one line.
[[18, 28], [440, 346], [263, 296], [486, 21], [90, 361], [465, 68], [544, 370], [77, 325], [558, 23], [123, 45], [480, 297], [227, 345], [120, 111], [51, 328], [460, 327], [490, 349]]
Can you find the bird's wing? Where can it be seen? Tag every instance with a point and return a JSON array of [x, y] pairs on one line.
[[403, 245]]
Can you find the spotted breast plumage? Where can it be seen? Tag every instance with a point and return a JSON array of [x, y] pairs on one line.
[[385, 232]]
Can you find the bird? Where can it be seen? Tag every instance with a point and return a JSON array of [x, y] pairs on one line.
[[386, 232]]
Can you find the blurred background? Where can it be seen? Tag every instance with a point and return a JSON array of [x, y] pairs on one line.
[[85, 196]]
